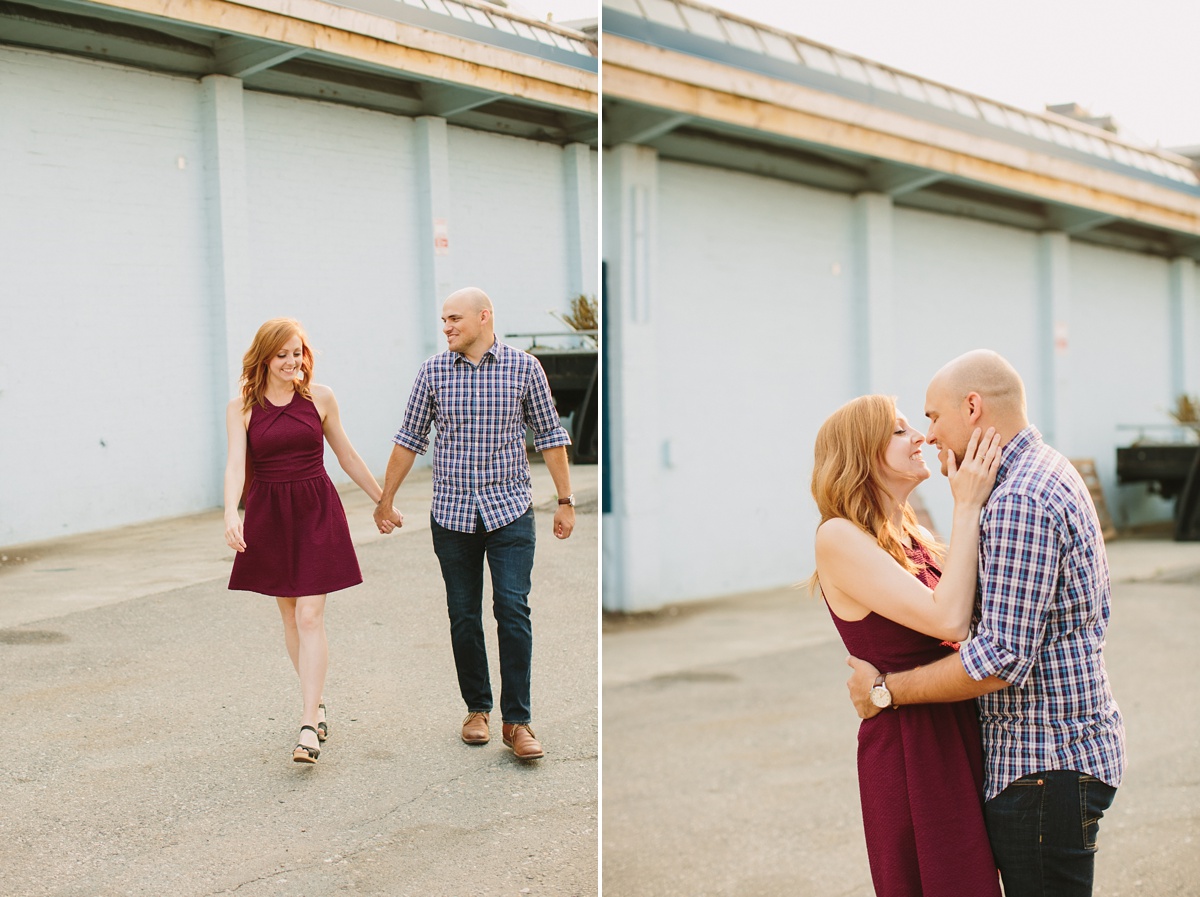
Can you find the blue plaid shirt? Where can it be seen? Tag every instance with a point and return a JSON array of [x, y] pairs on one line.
[[479, 462], [1042, 614]]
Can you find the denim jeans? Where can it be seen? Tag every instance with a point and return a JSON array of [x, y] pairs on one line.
[[509, 553], [1043, 829]]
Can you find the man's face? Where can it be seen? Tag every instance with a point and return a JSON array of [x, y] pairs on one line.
[[949, 427], [461, 324]]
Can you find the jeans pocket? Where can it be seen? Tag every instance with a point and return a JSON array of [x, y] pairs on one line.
[[1094, 798]]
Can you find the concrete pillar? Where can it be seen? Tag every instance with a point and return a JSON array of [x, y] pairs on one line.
[[1051, 413], [433, 221], [638, 446], [875, 352], [229, 238], [580, 209], [1184, 328]]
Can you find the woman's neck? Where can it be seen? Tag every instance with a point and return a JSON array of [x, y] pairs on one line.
[[279, 394], [895, 510]]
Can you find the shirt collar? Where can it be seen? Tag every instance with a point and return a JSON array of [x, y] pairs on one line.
[[493, 350], [1017, 446]]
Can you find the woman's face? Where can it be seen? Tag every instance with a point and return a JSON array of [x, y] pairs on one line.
[[284, 365], [903, 457]]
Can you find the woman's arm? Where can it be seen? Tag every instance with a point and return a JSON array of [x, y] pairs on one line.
[[349, 460], [851, 565], [235, 473]]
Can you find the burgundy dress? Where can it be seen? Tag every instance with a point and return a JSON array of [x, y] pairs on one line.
[[297, 540], [920, 772]]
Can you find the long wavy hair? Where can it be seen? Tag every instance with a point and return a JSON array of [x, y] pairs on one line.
[[268, 341], [846, 479]]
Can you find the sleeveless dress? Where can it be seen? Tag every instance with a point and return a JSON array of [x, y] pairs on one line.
[[297, 539], [920, 771]]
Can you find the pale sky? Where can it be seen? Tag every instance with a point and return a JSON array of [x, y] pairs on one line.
[[1138, 62]]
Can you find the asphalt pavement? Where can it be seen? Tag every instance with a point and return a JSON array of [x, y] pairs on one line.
[[149, 715], [729, 743]]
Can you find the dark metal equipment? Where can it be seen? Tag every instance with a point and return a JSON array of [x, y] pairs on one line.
[[572, 373], [1173, 471]]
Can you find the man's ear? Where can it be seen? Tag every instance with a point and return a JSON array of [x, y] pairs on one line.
[[974, 402]]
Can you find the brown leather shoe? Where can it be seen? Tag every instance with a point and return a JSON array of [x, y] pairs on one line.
[[523, 742], [475, 729]]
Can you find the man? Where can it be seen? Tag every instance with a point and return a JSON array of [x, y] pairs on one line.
[[1054, 741], [481, 395]]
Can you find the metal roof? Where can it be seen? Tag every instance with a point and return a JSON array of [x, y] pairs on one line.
[[489, 24], [475, 65], [700, 30]]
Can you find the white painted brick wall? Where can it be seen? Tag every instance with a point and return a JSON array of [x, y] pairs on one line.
[[335, 245], [756, 344], [105, 341], [960, 285], [508, 229], [1120, 370], [752, 313], [106, 311]]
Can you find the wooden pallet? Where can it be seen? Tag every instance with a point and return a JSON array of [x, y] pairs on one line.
[[1087, 470]]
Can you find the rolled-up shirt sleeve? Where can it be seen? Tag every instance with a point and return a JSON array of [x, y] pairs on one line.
[[1021, 552], [418, 416], [540, 414]]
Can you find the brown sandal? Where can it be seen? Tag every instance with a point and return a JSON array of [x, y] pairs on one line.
[[322, 726], [302, 753]]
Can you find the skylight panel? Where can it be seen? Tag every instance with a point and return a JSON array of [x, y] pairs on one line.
[[742, 35], [702, 22], [664, 12], [817, 58], [779, 46]]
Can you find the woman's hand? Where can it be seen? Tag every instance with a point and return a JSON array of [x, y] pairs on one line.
[[972, 483], [233, 533]]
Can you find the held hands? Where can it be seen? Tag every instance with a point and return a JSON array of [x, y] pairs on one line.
[[387, 519], [233, 533], [564, 521], [972, 483], [860, 683]]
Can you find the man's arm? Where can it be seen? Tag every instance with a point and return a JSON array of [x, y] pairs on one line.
[[556, 463], [936, 683], [399, 465]]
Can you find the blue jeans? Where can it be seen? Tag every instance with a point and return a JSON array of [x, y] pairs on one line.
[[1043, 829], [509, 553]]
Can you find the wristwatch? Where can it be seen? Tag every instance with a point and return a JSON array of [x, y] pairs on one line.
[[569, 500], [880, 696]]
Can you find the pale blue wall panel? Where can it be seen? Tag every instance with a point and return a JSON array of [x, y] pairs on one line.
[[507, 229], [335, 244], [753, 320], [1120, 364], [106, 340], [961, 285]]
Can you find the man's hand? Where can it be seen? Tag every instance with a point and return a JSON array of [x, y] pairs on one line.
[[860, 683], [564, 521], [387, 519]]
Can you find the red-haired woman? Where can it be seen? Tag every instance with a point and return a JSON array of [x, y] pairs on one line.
[[295, 544], [899, 600]]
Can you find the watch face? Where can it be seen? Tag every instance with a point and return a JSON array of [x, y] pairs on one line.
[[880, 696]]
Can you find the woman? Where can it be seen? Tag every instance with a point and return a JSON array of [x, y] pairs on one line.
[[899, 601], [295, 544]]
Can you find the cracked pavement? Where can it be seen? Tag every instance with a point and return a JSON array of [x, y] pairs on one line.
[[148, 730]]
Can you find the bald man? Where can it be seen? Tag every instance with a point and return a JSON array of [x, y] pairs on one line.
[[481, 395], [1054, 741]]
